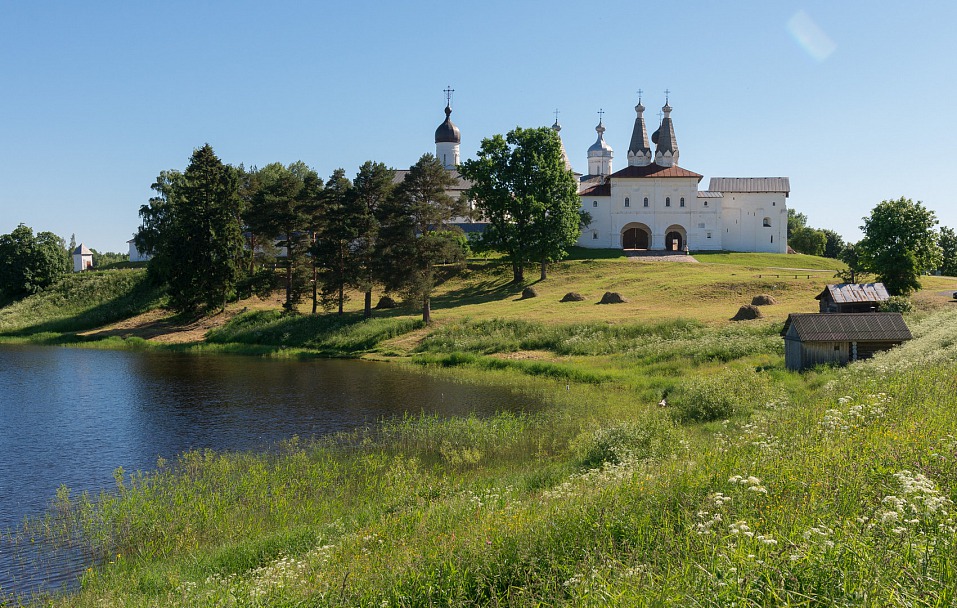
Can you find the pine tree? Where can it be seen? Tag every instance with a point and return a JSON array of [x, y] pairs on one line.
[[418, 245]]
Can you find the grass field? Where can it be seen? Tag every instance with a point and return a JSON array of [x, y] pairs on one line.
[[753, 486]]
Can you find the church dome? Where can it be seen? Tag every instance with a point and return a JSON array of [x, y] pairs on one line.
[[600, 147], [447, 131]]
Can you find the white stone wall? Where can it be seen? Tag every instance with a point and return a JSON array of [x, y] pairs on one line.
[[744, 215]]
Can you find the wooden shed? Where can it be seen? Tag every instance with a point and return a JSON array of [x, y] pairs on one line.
[[813, 338], [852, 297]]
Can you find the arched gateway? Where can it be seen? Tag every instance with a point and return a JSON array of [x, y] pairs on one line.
[[635, 236], [675, 238]]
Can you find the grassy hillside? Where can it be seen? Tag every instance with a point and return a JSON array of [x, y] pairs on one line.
[[751, 486], [80, 301]]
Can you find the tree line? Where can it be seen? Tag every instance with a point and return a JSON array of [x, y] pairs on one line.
[[217, 232], [901, 243]]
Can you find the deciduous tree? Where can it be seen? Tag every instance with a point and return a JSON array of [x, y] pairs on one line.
[[523, 189], [947, 241], [899, 244], [29, 263]]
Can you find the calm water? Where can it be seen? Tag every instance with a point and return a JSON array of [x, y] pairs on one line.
[[72, 416]]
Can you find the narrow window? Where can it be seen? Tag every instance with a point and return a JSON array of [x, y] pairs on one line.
[[594, 235], [646, 201], [667, 201], [627, 202], [594, 203], [709, 235], [772, 238], [706, 203], [682, 203], [773, 203], [767, 222]]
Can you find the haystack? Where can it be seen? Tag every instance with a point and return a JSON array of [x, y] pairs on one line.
[[529, 292], [386, 302], [573, 296], [612, 297], [746, 313], [762, 300]]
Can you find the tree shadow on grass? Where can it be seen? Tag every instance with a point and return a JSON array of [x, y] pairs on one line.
[[492, 290]]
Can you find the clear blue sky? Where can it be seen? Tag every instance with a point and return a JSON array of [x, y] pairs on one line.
[[852, 100]]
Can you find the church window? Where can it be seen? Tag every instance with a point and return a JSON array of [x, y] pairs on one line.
[[772, 238], [667, 201], [709, 235], [594, 235], [627, 202], [646, 201], [594, 203], [773, 203], [682, 204], [767, 222], [706, 203]]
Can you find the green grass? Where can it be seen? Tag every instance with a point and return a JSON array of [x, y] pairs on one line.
[[81, 301], [753, 486]]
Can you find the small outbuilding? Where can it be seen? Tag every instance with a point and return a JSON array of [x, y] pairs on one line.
[[82, 258], [135, 254], [852, 297], [812, 338]]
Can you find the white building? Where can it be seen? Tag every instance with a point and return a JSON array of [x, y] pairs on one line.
[[655, 204], [82, 258], [135, 254]]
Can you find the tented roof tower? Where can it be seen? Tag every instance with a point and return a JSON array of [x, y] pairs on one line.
[[639, 153]]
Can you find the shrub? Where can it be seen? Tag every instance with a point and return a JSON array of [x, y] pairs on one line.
[[625, 442], [899, 304], [717, 397]]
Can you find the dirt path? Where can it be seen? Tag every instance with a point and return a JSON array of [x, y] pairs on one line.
[[161, 326]]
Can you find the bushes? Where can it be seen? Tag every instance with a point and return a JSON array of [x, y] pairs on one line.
[[625, 442], [899, 304], [718, 397]]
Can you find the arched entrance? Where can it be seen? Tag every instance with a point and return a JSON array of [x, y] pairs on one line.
[[675, 238], [635, 236]]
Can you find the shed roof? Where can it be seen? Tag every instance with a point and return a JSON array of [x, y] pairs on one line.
[[846, 327], [847, 293], [750, 184], [81, 249]]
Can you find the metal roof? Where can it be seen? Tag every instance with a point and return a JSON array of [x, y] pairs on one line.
[[654, 170], [750, 184], [846, 293], [709, 194], [846, 327], [81, 249], [597, 190]]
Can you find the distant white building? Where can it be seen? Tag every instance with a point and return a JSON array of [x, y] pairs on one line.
[[135, 254], [655, 204], [82, 258]]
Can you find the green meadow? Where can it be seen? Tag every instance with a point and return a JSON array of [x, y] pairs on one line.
[[669, 458]]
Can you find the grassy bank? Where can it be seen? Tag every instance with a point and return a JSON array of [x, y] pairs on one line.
[[751, 486]]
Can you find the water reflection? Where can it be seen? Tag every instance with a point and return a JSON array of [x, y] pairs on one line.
[[72, 416]]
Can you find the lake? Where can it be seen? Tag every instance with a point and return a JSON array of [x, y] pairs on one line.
[[72, 416]]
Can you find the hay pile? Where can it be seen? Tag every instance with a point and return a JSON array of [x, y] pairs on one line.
[[572, 296], [612, 297], [386, 302], [762, 300], [746, 313]]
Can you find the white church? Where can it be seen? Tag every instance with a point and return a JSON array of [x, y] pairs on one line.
[[654, 204]]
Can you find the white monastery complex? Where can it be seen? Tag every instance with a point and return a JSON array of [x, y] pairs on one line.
[[655, 204]]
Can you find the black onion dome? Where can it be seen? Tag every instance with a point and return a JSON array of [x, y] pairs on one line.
[[448, 132]]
